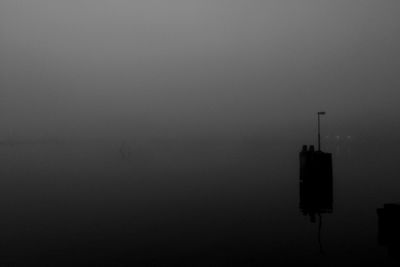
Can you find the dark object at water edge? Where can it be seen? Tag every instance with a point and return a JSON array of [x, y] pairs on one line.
[[316, 182], [388, 228]]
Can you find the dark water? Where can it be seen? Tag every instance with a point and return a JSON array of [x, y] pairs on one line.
[[191, 203]]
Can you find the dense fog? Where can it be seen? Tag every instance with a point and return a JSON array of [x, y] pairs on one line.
[[167, 132], [100, 69]]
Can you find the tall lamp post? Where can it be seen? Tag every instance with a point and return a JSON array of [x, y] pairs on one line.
[[319, 129]]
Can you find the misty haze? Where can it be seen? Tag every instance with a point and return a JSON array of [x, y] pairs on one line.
[[168, 132]]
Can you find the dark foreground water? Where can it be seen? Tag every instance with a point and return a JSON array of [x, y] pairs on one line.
[[191, 203]]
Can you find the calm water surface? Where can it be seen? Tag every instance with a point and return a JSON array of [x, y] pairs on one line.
[[196, 203]]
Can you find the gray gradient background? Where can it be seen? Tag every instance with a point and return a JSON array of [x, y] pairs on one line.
[[112, 68], [213, 100]]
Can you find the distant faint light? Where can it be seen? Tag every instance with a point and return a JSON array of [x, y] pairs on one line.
[[337, 137], [349, 137]]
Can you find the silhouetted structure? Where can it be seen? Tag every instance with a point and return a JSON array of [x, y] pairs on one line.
[[389, 228], [315, 166], [316, 182], [316, 185]]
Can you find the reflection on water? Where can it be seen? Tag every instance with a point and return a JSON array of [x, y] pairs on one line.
[[183, 203]]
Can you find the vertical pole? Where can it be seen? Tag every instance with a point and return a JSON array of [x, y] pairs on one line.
[[319, 134]]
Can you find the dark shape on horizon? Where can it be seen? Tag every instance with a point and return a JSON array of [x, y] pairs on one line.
[[389, 228], [316, 182], [316, 186]]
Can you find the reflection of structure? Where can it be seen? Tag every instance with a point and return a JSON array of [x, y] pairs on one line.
[[389, 228], [316, 185]]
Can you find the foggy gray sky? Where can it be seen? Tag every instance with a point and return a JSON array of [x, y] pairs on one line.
[[198, 65]]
